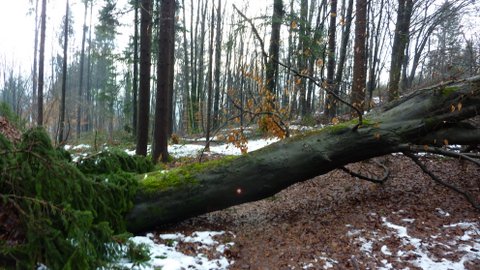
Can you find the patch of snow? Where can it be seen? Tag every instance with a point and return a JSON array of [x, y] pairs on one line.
[[387, 265], [203, 237], [423, 258], [354, 232], [463, 225], [184, 150], [168, 258], [81, 147], [408, 220], [130, 152], [328, 262], [231, 150], [442, 213], [384, 249], [67, 147], [310, 265], [367, 245], [41, 267]]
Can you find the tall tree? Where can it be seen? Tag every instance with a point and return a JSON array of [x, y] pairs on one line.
[[105, 75], [35, 64], [210, 80], [303, 50], [218, 62], [64, 75], [186, 73], [274, 49], [359, 61], [82, 61], [400, 40], [135, 71], [376, 39], [165, 65], [88, 90], [330, 107], [145, 65], [343, 46], [41, 63]]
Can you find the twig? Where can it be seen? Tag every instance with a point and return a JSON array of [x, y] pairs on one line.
[[465, 194], [370, 179], [440, 151]]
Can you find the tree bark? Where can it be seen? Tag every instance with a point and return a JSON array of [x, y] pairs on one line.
[[135, 70], [218, 62], [421, 118], [35, 65], [64, 77], [274, 49], [145, 66], [210, 80], [359, 56], [82, 61], [400, 41], [41, 64], [330, 108], [164, 79]]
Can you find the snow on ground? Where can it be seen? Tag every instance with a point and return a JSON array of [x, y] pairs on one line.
[[168, 256], [192, 150], [428, 252]]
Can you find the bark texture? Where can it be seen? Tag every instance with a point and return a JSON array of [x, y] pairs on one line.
[[145, 65], [423, 117]]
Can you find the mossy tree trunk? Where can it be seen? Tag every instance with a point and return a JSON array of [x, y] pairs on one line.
[[426, 117]]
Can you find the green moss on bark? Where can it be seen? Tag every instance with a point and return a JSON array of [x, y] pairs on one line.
[[182, 176]]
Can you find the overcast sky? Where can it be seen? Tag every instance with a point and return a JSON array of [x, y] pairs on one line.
[[17, 27]]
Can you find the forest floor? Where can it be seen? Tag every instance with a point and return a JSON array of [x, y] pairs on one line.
[[336, 221]]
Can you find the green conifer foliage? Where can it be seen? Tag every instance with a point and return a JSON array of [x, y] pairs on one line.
[[66, 218]]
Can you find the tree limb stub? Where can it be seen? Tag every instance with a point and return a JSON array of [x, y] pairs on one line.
[[186, 192]]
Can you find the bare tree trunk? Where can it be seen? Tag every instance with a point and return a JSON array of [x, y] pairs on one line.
[[330, 102], [135, 71], [145, 66], [80, 85], [343, 48], [359, 68], [88, 90], [301, 63], [274, 50], [210, 79], [186, 75], [41, 63], [165, 66], [35, 65], [64, 77], [400, 41], [218, 62], [374, 52]]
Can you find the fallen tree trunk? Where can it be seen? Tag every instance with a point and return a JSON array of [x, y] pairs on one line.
[[431, 116]]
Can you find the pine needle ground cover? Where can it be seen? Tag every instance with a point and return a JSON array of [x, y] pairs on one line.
[[58, 213]]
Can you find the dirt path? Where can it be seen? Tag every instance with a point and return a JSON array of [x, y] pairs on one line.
[[335, 221]]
